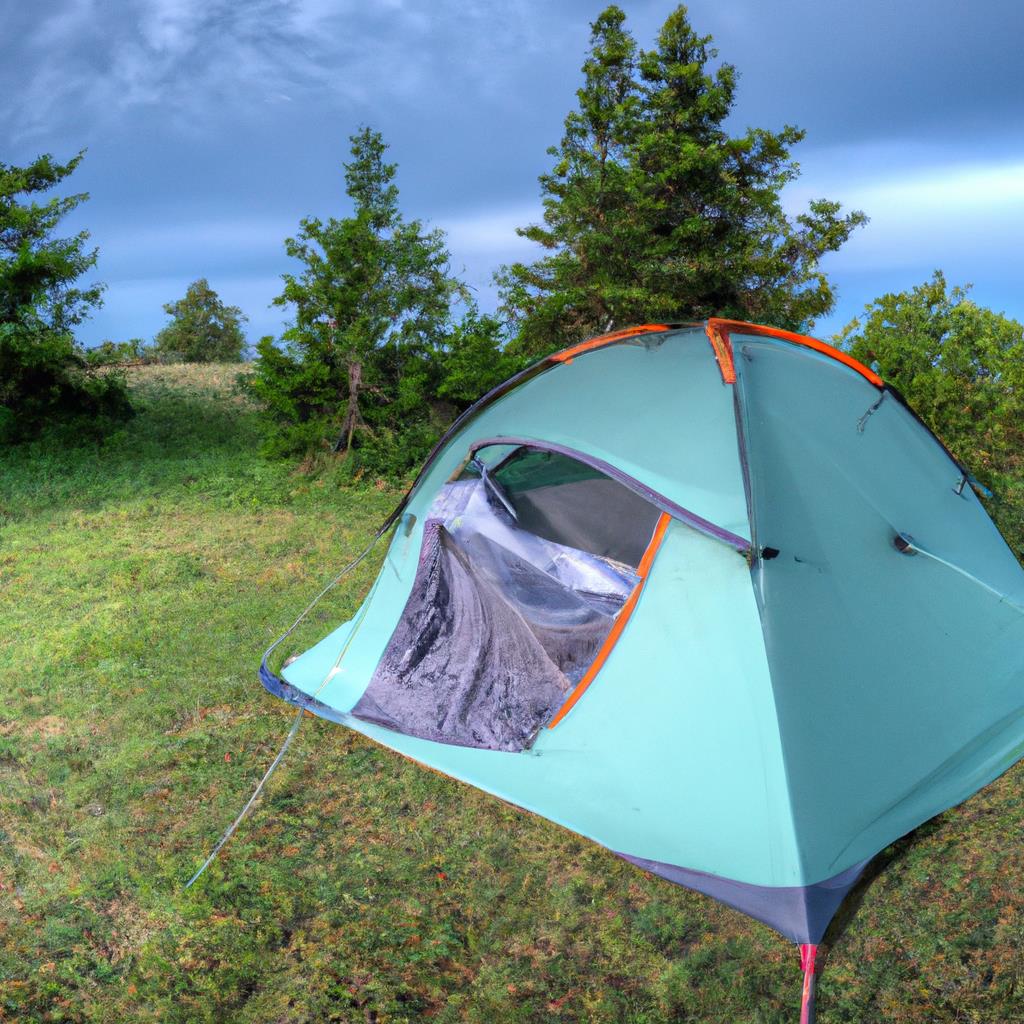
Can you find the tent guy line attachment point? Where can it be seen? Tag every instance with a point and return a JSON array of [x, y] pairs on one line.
[[906, 545], [863, 421]]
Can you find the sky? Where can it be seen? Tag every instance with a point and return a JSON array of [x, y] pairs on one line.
[[213, 126]]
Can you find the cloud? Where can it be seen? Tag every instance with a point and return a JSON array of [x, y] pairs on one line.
[[188, 58], [194, 61], [214, 125], [229, 237], [490, 231]]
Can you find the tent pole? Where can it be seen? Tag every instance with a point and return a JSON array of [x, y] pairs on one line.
[[808, 952]]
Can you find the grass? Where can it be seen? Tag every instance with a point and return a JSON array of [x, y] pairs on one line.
[[139, 582]]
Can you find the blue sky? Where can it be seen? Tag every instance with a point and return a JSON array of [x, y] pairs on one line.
[[212, 126]]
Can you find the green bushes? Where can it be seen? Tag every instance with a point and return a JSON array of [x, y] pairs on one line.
[[374, 365], [112, 353], [409, 394], [47, 384]]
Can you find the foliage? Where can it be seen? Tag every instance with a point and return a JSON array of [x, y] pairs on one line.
[[140, 581], [476, 358], [961, 368], [372, 304], [203, 329], [654, 212], [45, 380], [111, 353]]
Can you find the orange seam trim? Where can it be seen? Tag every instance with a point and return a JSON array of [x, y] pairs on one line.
[[723, 351], [567, 355], [620, 623], [724, 327]]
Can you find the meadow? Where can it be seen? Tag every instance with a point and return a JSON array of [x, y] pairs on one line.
[[140, 581]]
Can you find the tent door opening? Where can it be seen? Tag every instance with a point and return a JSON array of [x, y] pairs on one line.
[[531, 558]]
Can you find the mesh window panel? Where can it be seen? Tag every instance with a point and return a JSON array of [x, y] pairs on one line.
[[568, 502]]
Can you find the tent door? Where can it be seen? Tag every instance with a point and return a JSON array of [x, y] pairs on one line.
[[530, 557]]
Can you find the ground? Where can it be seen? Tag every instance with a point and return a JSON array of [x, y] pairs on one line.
[[139, 583]]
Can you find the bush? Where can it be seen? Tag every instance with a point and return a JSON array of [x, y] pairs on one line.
[[961, 367], [47, 383], [111, 353]]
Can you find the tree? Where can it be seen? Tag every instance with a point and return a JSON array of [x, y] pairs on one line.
[[372, 306], [44, 376], [476, 358], [961, 368], [203, 329], [653, 211]]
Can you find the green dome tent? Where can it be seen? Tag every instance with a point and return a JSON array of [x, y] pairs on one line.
[[710, 595]]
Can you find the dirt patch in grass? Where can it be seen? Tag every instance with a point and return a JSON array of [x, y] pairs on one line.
[[37, 728]]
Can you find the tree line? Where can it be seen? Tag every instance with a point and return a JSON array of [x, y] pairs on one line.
[[652, 210]]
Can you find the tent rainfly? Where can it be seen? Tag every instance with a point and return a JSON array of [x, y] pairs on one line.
[[710, 595]]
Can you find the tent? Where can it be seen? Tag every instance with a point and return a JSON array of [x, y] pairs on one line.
[[710, 595]]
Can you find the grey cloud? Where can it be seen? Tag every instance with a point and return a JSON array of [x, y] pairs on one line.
[[196, 62]]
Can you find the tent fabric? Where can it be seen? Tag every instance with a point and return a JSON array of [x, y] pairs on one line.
[[800, 912], [793, 689]]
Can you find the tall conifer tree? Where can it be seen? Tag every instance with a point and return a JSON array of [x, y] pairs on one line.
[[372, 299], [654, 211]]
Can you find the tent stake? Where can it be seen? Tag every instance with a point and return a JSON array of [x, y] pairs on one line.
[[808, 952]]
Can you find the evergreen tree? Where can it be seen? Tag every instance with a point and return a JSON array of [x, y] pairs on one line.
[[475, 359], [653, 211], [45, 380], [202, 329], [372, 306]]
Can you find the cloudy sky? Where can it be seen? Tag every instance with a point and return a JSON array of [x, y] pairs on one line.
[[212, 126]]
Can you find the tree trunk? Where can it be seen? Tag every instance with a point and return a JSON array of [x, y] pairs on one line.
[[353, 417]]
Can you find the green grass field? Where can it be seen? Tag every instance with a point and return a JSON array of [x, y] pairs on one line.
[[139, 583]]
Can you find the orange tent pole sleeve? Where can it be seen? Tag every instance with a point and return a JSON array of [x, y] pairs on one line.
[[567, 355], [620, 622], [716, 326], [723, 351]]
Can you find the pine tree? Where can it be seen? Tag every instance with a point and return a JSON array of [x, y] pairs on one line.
[[45, 380], [653, 211], [372, 304]]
